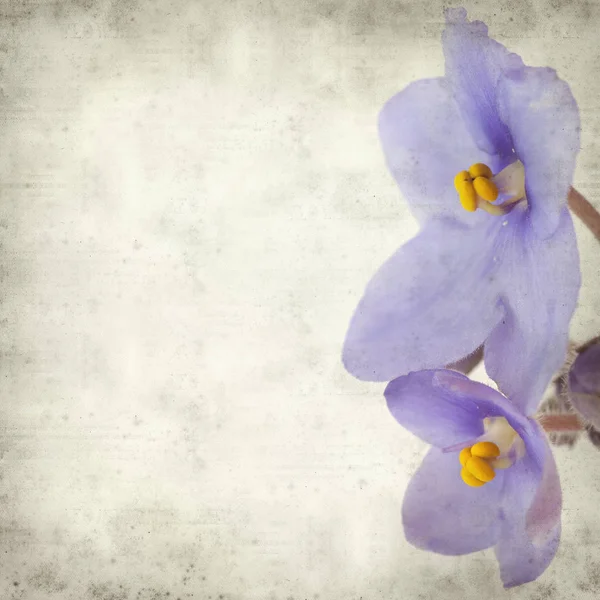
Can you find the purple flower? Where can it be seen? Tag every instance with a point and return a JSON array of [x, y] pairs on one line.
[[517, 511], [506, 275], [584, 383]]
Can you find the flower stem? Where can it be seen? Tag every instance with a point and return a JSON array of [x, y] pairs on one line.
[[564, 422], [585, 211]]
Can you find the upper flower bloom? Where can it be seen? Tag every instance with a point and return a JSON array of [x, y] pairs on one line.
[[496, 135], [490, 479]]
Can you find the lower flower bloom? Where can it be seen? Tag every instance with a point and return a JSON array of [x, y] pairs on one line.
[[490, 479]]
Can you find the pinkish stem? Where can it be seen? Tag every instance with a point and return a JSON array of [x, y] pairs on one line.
[[585, 211], [560, 422]]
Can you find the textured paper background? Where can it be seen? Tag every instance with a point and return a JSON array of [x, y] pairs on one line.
[[193, 197]]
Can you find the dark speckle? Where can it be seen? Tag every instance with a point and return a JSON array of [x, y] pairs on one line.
[[104, 591], [47, 580], [592, 581], [545, 592]]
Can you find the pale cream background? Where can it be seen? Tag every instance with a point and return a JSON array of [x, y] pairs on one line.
[[193, 197]]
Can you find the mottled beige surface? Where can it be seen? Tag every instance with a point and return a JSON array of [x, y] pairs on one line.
[[193, 197]]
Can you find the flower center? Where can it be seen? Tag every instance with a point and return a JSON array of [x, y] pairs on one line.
[[479, 188], [499, 448]]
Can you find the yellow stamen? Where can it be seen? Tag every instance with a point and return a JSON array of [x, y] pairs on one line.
[[460, 178], [480, 170], [464, 456], [485, 450], [480, 469], [485, 189], [469, 479], [466, 192], [481, 459], [476, 186], [468, 197]]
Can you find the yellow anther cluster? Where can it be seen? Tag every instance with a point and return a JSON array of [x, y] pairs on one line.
[[473, 184], [475, 461]]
